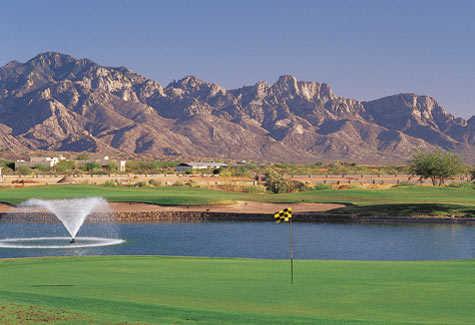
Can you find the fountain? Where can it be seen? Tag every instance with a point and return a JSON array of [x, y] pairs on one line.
[[72, 213]]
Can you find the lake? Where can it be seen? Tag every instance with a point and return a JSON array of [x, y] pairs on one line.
[[263, 240]]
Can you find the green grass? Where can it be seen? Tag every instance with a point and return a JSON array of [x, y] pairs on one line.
[[188, 195], [403, 199], [173, 290]]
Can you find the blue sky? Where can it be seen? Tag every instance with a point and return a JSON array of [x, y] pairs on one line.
[[364, 49]]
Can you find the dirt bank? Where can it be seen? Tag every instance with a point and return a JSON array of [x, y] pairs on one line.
[[238, 207]]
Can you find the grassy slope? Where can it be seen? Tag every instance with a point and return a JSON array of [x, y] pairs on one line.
[[186, 195], [206, 291], [403, 201]]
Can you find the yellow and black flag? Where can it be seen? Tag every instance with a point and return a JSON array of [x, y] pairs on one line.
[[284, 215]]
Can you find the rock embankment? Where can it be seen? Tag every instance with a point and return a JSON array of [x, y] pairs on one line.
[[143, 217]]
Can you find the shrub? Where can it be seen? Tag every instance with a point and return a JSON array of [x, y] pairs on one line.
[[320, 187], [42, 168], [276, 183], [150, 166], [111, 183], [92, 167], [64, 167], [140, 184], [111, 167], [472, 174], [154, 182], [24, 170]]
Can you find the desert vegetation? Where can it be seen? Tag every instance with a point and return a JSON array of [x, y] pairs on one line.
[[437, 166]]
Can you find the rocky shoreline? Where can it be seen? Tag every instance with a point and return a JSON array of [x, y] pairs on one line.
[[144, 217]]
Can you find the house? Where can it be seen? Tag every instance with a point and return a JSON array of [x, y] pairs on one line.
[[38, 161], [184, 167], [105, 162]]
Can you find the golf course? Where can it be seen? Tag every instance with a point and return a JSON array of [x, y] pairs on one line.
[[405, 200], [199, 290], [176, 290], [184, 195]]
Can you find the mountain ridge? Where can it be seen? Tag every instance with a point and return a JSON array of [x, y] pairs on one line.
[[55, 102]]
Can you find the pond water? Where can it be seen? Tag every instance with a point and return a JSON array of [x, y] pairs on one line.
[[263, 240]]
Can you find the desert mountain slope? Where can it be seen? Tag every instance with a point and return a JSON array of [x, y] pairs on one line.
[[59, 103]]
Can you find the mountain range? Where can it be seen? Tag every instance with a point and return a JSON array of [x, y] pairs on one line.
[[55, 102]]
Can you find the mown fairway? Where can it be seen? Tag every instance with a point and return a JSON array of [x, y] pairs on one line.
[[188, 196], [169, 290]]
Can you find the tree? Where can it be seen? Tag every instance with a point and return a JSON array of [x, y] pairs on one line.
[[65, 167], [438, 166], [92, 167], [111, 167], [472, 174]]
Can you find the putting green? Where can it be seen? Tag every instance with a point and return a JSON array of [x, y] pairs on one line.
[[175, 290]]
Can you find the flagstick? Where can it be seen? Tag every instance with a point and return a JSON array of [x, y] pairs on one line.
[[291, 251]]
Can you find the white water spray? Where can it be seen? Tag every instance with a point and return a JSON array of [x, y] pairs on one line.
[[71, 212]]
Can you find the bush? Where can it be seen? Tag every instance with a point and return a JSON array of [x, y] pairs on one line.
[[24, 170], [154, 182], [150, 166], [42, 168], [276, 183], [111, 183], [320, 187], [92, 167], [140, 184], [111, 167], [64, 167], [472, 174]]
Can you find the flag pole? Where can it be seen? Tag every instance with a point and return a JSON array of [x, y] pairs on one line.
[[291, 251]]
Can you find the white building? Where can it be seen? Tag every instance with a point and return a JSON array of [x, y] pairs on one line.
[[184, 167], [39, 161]]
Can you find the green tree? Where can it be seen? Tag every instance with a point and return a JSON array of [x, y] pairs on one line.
[[65, 167], [42, 168], [92, 167], [111, 167], [24, 170], [437, 166], [472, 174]]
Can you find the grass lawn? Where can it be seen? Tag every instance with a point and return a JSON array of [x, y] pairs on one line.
[[188, 195], [404, 199], [174, 290]]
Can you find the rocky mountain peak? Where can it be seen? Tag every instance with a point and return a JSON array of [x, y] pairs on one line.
[[51, 58], [57, 102], [11, 65], [193, 86], [288, 85]]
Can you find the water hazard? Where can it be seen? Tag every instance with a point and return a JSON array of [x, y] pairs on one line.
[[261, 240]]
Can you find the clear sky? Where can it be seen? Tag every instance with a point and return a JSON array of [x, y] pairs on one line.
[[364, 49]]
